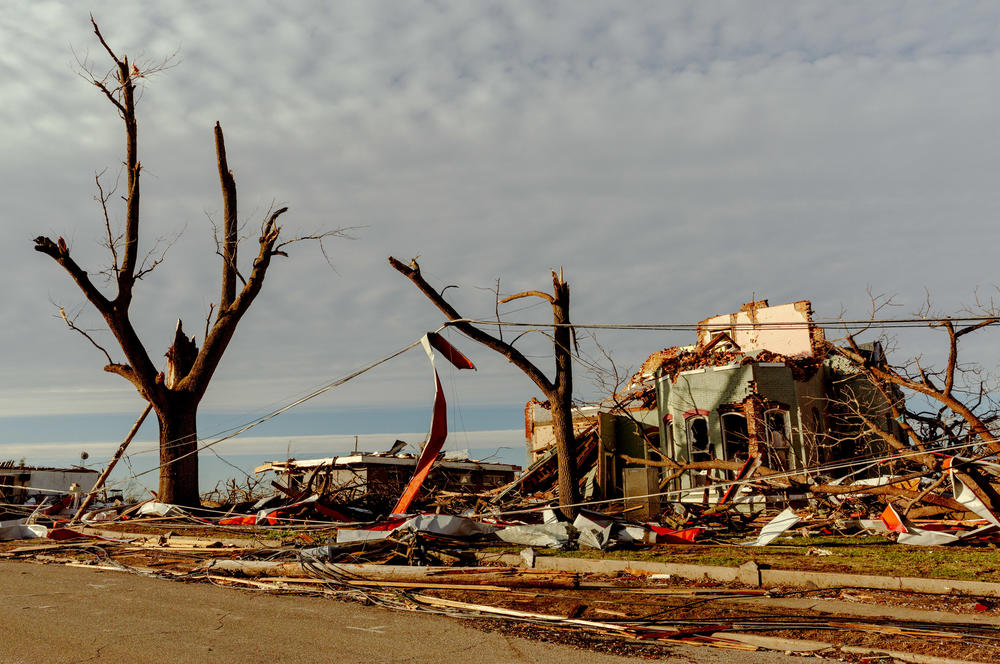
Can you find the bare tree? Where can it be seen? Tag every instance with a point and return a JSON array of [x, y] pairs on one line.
[[175, 394], [936, 407], [558, 391]]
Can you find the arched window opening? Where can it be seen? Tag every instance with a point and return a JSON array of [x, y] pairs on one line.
[[735, 436], [699, 446], [778, 438]]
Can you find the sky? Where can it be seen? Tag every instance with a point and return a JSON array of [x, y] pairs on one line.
[[673, 159]]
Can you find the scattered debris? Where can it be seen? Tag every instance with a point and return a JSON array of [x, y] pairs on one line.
[[701, 449]]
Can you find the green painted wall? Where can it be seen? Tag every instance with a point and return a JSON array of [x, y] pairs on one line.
[[710, 388]]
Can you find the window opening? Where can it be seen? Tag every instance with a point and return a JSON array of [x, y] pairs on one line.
[[778, 447], [699, 446], [735, 438]]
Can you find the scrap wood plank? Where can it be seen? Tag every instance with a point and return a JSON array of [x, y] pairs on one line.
[[44, 548], [167, 561], [380, 573], [201, 543], [398, 584], [617, 614], [437, 586], [699, 592], [560, 622], [267, 585], [183, 550], [515, 613], [892, 629], [263, 585], [717, 642], [681, 632], [112, 568], [431, 571]]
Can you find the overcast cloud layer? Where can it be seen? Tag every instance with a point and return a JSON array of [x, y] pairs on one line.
[[676, 159]]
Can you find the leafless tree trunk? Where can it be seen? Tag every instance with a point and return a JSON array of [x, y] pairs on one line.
[[964, 412], [559, 391], [175, 395]]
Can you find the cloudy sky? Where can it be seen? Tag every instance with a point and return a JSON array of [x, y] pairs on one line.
[[675, 159]]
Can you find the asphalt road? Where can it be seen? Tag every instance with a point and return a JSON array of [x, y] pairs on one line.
[[54, 614]]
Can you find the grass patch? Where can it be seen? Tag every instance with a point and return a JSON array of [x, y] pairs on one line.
[[852, 555]]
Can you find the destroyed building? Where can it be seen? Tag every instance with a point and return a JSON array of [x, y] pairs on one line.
[[372, 479], [758, 383], [761, 383], [20, 483]]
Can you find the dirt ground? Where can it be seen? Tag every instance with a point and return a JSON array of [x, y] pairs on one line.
[[705, 613], [61, 615], [837, 623]]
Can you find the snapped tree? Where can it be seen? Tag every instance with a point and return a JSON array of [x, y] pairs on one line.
[[174, 394], [558, 391], [908, 419], [935, 407]]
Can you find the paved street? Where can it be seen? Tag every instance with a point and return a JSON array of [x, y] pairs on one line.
[[56, 614]]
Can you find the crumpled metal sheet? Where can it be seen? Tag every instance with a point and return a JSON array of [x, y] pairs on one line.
[[100, 515], [438, 524], [913, 535], [18, 529], [154, 508], [447, 524], [965, 495], [921, 537], [545, 535], [593, 533], [775, 527], [439, 420]]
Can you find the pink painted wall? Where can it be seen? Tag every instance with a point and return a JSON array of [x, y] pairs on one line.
[[783, 329]]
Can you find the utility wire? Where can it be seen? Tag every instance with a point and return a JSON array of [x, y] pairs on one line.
[[236, 431], [726, 484], [749, 325], [780, 325]]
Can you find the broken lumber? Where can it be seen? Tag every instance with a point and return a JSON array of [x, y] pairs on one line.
[[474, 576], [111, 466]]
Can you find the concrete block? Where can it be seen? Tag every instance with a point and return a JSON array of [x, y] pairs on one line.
[[749, 574]]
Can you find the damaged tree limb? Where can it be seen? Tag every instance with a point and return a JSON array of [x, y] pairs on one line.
[[174, 397], [558, 391]]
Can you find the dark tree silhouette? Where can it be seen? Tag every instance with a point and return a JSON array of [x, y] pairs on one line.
[[175, 393]]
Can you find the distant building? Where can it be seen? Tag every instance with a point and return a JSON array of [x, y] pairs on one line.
[[539, 435], [385, 473], [20, 483]]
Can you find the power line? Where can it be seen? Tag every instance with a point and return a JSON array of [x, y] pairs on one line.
[[718, 485], [236, 431], [859, 324]]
